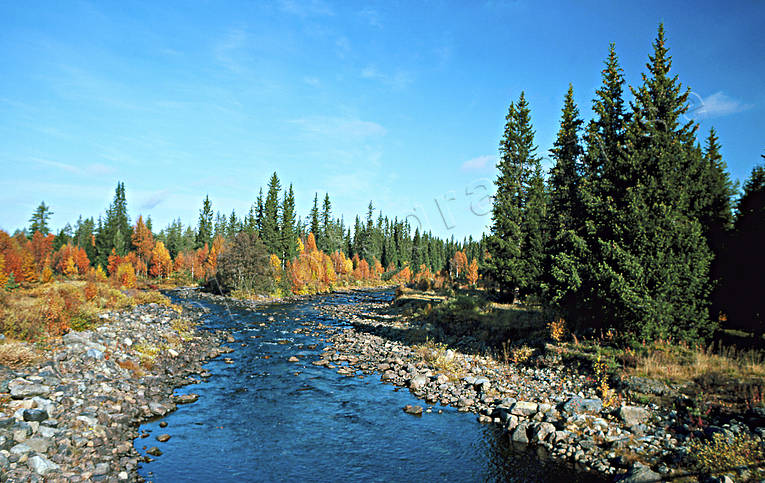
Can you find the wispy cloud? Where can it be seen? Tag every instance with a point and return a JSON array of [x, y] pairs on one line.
[[717, 105], [372, 17], [312, 81], [478, 164], [306, 8], [398, 80], [227, 50], [154, 199], [338, 127], [97, 169]]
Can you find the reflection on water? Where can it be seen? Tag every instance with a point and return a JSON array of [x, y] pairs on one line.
[[266, 419]]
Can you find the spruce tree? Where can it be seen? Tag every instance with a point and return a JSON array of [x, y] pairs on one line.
[[288, 231], [259, 212], [516, 252], [655, 266], [327, 240], [715, 207], [566, 217], [744, 303], [205, 224], [314, 216], [270, 220], [39, 220]]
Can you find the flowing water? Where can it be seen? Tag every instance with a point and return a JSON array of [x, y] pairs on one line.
[[266, 419]]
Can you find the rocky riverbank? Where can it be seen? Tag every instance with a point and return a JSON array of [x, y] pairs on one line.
[[75, 415], [549, 407]]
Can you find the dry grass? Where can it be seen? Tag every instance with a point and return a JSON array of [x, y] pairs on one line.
[[677, 363], [435, 354], [16, 354], [39, 311]]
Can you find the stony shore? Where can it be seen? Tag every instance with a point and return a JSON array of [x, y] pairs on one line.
[[75, 415], [548, 407]]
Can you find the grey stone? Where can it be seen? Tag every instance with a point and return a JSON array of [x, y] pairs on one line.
[[541, 431], [641, 473], [21, 388], [520, 435], [418, 382], [41, 465], [20, 449], [578, 405], [524, 408], [38, 415], [633, 415]]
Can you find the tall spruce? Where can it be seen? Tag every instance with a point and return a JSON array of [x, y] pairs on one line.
[[270, 221], [745, 305], [516, 252], [39, 220], [288, 228], [328, 240], [259, 212], [716, 214], [205, 224], [117, 224], [314, 216], [654, 268], [566, 215]]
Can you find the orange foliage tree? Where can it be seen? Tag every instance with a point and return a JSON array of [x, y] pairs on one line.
[[472, 272], [459, 264], [76, 254], [143, 241], [41, 247]]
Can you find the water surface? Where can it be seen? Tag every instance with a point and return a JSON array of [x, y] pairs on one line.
[[267, 419]]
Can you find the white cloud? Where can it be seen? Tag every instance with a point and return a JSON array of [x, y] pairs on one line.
[[716, 105], [479, 163], [312, 81], [227, 50], [339, 127], [306, 8], [398, 80], [97, 169], [372, 17]]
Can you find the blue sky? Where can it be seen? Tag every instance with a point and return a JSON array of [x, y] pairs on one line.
[[402, 103]]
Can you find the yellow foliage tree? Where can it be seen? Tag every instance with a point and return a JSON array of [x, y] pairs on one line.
[[125, 275], [276, 266], [161, 263], [3, 275], [70, 268]]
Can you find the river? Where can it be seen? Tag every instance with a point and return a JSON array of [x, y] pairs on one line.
[[263, 418]]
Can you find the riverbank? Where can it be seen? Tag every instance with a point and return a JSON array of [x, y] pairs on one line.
[[74, 414], [548, 405]]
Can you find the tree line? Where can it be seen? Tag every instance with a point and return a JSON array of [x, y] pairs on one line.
[[634, 228]]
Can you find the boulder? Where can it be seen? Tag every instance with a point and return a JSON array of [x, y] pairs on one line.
[[41, 465], [413, 410], [578, 405], [633, 415], [418, 382], [524, 408]]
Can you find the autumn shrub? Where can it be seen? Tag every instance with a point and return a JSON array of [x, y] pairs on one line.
[[150, 297], [728, 453], [124, 275], [245, 265]]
